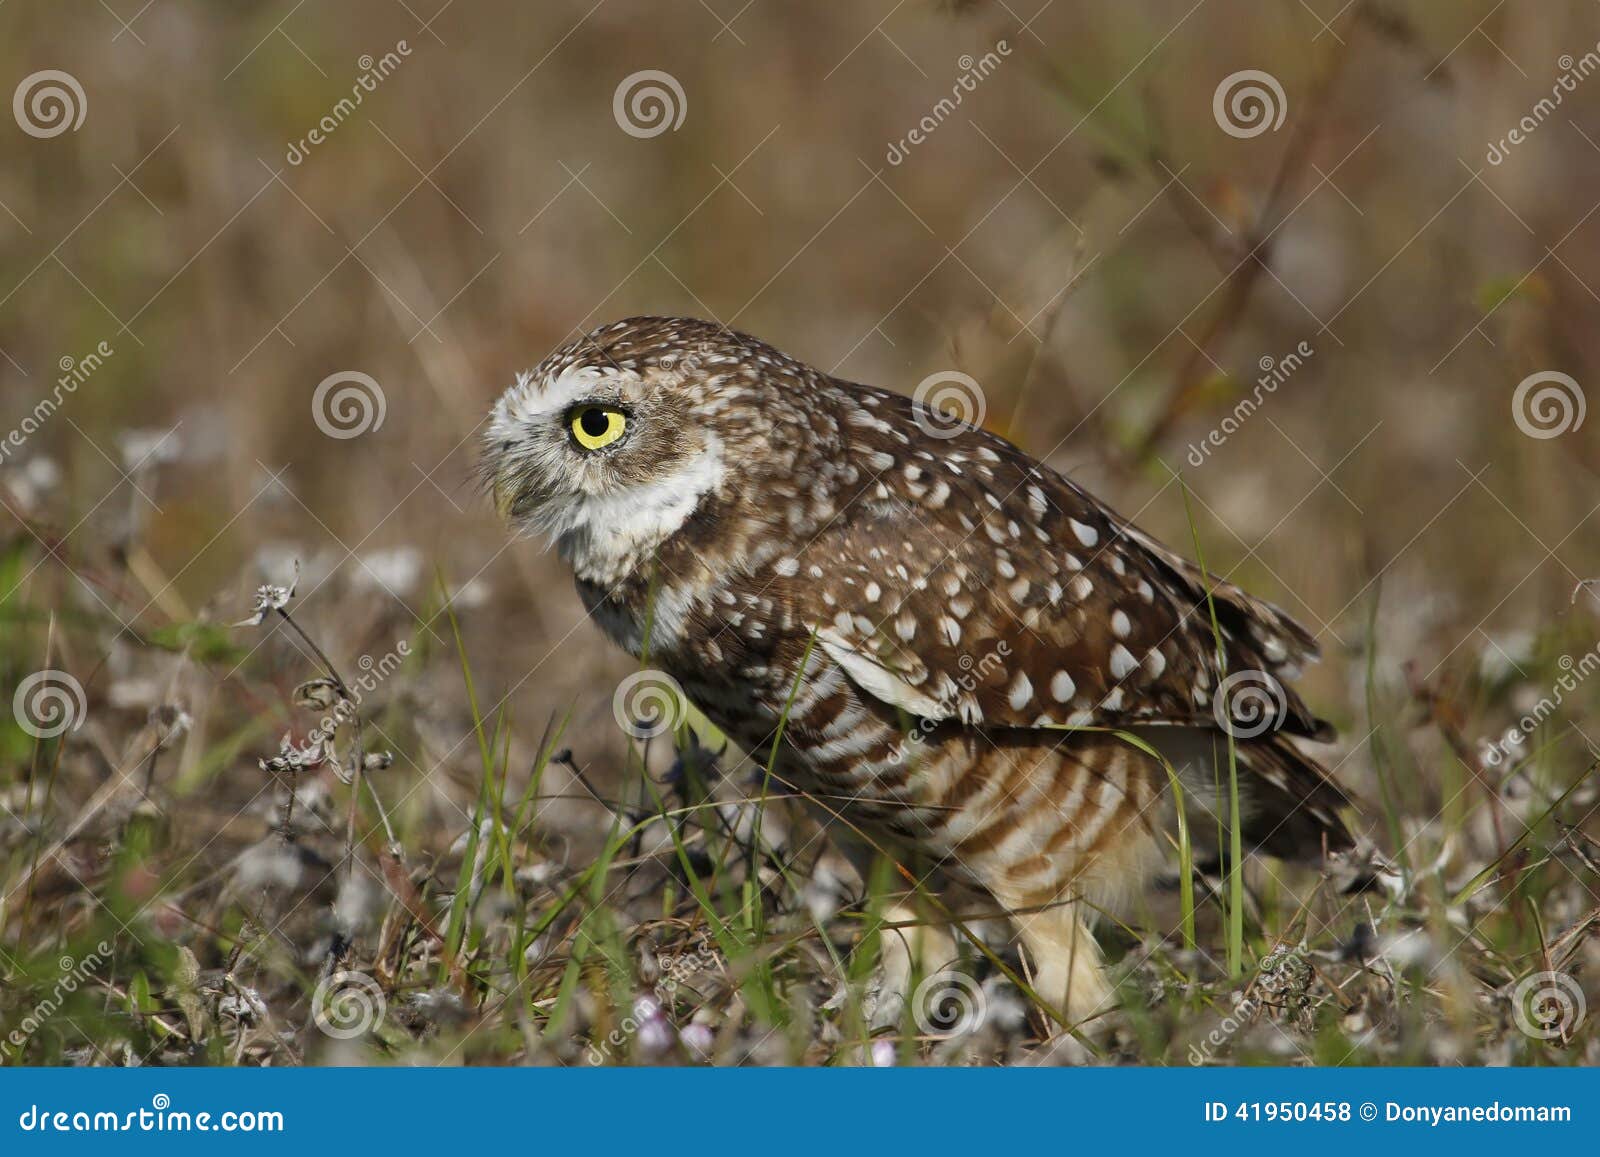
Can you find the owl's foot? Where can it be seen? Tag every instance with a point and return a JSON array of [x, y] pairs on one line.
[[909, 948]]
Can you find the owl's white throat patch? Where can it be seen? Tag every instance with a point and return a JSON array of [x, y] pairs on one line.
[[606, 536]]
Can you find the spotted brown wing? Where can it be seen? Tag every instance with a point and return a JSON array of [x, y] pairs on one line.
[[976, 584]]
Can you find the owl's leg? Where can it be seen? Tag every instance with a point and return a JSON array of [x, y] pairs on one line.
[[912, 942], [910, 946], [1068, 974]]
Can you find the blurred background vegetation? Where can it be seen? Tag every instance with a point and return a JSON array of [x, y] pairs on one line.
[[1080, 235]]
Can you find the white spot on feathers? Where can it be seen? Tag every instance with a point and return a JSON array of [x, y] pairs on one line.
[[1062, 687], [1021, 692]]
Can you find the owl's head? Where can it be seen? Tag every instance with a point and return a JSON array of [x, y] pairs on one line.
[[614, 441]]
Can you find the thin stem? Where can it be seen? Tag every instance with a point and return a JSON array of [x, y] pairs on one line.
[[360, 762]]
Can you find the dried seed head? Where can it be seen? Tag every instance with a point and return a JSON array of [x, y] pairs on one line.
[[317, 694], [292, 758], [271, 598]]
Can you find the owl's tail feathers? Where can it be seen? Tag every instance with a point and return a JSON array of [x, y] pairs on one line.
[[1293, 809], [1297, 812], [1290, 807]]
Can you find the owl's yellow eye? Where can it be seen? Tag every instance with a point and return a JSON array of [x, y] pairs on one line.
[[596, 427]]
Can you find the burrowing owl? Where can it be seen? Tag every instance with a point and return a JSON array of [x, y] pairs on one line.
[[990, 655]]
